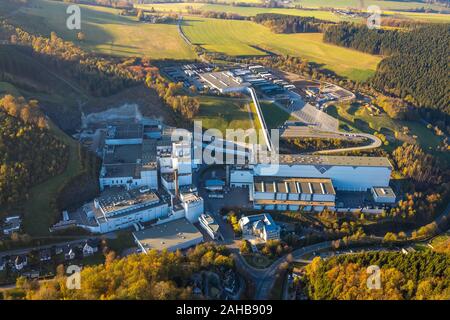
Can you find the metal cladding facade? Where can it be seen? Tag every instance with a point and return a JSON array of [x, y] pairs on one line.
[[347, 178]]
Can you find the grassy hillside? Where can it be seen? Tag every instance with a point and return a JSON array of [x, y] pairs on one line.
[[237, 38], [106, 31]]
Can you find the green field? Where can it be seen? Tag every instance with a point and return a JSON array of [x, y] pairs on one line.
[[224, 113], [359, 119], [243, 11], [273, 115], [243, 38], [388, 11], [384, 5], [107, 32], [425, 17]]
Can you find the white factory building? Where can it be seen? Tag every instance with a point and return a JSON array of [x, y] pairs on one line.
[[132, 165], [175, 162], [274, 193], [224, 81], [117, 209], [311, 182], [346, 172], [129, 165]]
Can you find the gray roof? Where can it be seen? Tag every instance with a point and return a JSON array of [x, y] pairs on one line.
[[384, 191], [294, 185], [125, 131], [167, 235], [222, 80], [335, 160], [257, 219]]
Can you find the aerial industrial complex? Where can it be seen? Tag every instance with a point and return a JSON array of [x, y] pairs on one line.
[[147, 178]]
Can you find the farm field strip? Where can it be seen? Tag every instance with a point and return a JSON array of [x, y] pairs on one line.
[[232, 38], [388, 11], [108, 32]]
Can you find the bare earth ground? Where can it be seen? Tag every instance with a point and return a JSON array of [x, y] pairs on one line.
[[148, 101]]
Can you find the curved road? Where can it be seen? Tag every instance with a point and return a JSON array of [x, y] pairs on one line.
[[376, 143], [265, 278]]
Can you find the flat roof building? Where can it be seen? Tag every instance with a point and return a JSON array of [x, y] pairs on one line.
[[224, 81], [284, 193], [347, 173], [175, 235], [208, 223], [124, 134], [383, 195]]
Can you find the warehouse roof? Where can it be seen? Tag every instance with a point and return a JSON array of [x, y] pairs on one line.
[[125, 131], [293, 185], [222, 80], [115, 199], [167, 235], [334, 160]]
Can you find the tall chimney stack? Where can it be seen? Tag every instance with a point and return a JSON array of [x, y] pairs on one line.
[[175, 176]]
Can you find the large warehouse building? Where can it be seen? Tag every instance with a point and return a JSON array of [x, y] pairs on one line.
[[309, 181], [346, 173], [272, 193]]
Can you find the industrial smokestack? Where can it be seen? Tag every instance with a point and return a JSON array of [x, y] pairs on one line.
[[175, 177]]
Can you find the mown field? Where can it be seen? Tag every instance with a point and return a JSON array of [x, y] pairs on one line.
[[388, 11], [273, 115], [106, 31], [243, 38], [384, 5], [224, 113], [243, 11]]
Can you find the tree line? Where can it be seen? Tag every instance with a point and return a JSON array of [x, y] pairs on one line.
[[172, 95], [281, 23]]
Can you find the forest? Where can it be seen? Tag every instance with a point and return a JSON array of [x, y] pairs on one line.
[[416, 275], [428, 183], [29, 153], [281, 23], [415, 64]]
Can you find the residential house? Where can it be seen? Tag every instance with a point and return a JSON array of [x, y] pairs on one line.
[[58, 250], [20, 262], [69, 253], [45, 255], [90, 247]]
